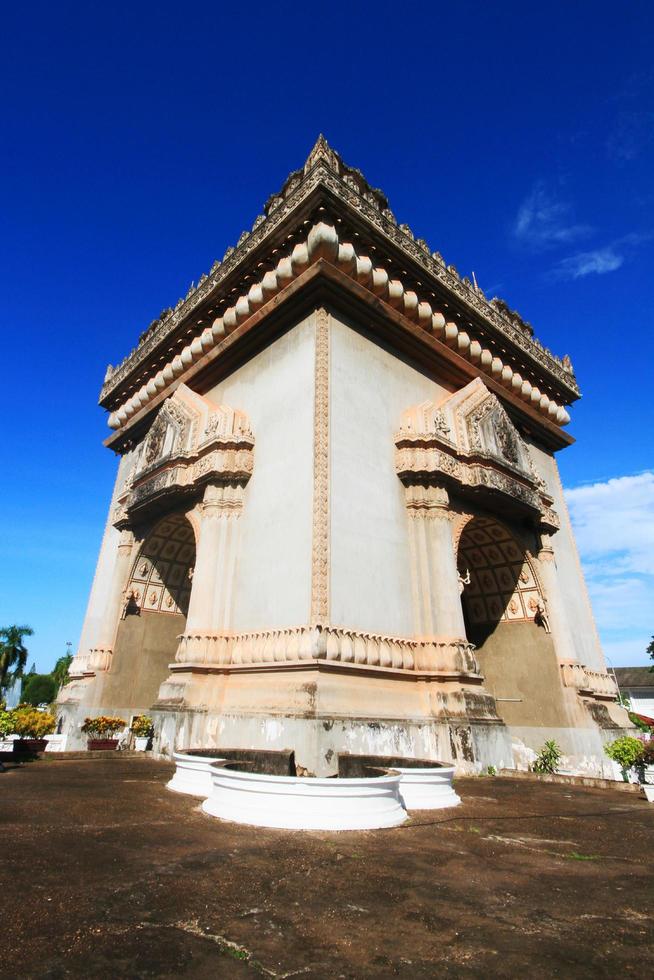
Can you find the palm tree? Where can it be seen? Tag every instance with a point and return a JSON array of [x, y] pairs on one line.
[[13, 653], [60, 671]]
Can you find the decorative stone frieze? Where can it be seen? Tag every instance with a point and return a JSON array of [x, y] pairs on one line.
[[100, 659], [322, 242], [593, 684], [190, 443], [80, 665], [469, 441], [431, 502], [320, 523], [450, 658]]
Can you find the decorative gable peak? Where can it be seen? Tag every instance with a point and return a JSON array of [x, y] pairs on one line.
[[468, 440], [322, 151], [191, 441]]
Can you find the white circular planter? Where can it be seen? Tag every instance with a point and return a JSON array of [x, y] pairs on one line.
[[141, 743], [649, 774], [305, 803], [427, 789], [192, 774]]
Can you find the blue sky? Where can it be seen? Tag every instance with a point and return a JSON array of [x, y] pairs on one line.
[[140, 140]]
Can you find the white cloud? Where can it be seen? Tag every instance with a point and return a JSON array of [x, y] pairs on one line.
[[616, 519], [599, 261], [614, 528], [544, 221]]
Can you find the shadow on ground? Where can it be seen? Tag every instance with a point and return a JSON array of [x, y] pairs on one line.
[[105, 873]]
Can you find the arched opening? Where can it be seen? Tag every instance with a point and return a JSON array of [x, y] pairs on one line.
[[154, 614], [503, 610], [160, 580]]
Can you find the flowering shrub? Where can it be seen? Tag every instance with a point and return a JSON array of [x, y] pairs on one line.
[[6, 723], [626, 751], [104, 726], [142, 726], [647, 758], [28, 722]]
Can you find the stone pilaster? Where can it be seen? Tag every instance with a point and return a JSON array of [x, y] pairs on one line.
[[436, 592], [98, 657], [320, 523], [213, 577], [557, 620]]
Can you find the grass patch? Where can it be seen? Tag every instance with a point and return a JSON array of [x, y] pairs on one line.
[[576, 856], [236, 954]]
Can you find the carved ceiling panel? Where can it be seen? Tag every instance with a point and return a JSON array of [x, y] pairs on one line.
[[499, 581], [161, 577]]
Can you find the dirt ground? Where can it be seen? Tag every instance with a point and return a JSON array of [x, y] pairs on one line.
[[105, 873]]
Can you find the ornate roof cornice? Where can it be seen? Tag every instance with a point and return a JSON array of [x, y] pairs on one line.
[[325, 168]]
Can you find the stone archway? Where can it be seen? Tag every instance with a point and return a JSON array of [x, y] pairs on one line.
[[503, 586], [501, 605], [160, 580], [154, 614]]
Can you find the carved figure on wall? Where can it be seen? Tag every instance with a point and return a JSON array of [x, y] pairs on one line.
[[131, 605], [506, 437], [541, 617], [441, 425], [155, 441]]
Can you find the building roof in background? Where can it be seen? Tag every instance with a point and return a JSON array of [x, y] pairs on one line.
[[634, 676]]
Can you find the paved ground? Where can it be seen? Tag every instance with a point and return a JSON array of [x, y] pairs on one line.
[[104, 873]]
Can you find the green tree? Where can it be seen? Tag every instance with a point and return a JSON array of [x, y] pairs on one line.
[[650, 650], [25, 678], [13, 653], [38, 689], [60, 672]]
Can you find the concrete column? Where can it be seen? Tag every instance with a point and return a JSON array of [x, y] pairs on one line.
[[436, 578], [213, 577], [557, 620], [437, 596], [100, 655], [93, 636]]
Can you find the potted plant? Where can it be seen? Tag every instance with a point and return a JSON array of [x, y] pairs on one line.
[[6, 728], [32, 726], [647, 761], [142, 730], [101, 731], [627, 752]]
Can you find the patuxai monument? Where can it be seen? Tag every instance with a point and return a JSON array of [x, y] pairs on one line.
[[337, 523]]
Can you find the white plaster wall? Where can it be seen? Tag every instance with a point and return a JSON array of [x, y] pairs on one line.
[[370, 569], [573, 586], [273, 566], [642, 700], [104, 570]]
